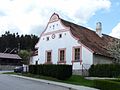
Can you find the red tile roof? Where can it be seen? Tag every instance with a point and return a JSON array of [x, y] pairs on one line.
[[9, 56], [99, 45]]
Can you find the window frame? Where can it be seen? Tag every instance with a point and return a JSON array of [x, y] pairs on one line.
[[73, 54], [60, 35], [59, 55], [46, 57]]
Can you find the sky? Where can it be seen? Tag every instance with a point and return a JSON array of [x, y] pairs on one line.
[[32, 16]]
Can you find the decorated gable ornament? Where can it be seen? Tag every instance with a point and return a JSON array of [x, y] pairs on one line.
[[54, 17], [53, 36]]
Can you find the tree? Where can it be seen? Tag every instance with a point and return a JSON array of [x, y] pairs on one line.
[[114, 49], [11, 41], [25, 55]]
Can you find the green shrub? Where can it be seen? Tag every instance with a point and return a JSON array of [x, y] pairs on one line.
[[105, 70], [63, 71], [57, 71], [107, 84], [32, 69]]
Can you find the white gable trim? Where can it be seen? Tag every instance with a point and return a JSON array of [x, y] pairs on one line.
[[58, 31]]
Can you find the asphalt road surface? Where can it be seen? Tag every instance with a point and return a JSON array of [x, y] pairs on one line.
[[8, 82]]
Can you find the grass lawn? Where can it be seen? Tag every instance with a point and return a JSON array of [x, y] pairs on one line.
[[74, 79], [80, 80]]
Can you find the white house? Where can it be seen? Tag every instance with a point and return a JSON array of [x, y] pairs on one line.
[[63, 42]]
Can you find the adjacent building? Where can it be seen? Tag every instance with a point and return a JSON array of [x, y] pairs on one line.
[[10, 59]]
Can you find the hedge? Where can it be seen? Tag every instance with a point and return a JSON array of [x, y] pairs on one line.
[[61, 72], [107, 84], [105, 70]]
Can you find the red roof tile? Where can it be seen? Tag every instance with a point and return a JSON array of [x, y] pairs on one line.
[[90, 39]]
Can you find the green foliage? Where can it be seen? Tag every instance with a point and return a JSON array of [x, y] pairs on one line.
[[61, 72], [107, 84], [105, 70], [80, 80], [25, 55], [10, 41]]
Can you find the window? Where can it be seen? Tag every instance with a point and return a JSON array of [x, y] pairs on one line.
[[48, 56], [53, 26], [62, 53], [47, 39], [60, 35], [77, 54], [36, 63]]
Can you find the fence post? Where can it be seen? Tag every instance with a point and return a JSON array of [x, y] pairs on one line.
[[82, 69]]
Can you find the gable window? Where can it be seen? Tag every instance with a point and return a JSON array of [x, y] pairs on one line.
[[47, 38], [60, 35], [62, 53], [49, 56]]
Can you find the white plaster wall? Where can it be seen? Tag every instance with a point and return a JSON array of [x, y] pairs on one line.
[[87, 58], [34, 59], [54, 27], [77, 66], [67, 41]]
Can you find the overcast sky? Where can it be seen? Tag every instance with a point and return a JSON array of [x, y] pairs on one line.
[[31, 16]]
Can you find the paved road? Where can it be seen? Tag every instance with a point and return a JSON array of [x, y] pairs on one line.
[[8, 82]]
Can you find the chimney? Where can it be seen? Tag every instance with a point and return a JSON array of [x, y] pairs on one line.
[[99, 29]]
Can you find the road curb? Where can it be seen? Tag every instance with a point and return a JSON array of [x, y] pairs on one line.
[[69, 86]]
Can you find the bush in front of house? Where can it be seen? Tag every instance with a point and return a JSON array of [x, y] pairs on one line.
[[33, 69], [61, 72], [105, 70], [107, 84]]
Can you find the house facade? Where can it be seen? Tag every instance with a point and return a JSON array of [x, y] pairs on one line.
[[63, 42]]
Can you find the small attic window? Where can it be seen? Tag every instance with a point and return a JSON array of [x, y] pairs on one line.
[[47, 38], [53, 26], [60, 35]]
